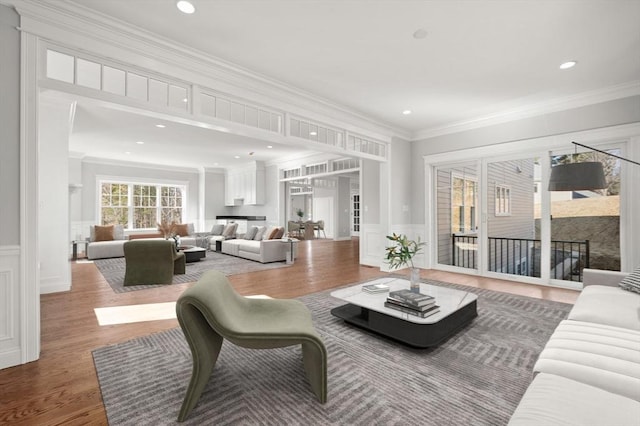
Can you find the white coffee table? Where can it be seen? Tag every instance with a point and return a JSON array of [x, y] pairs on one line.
[[457, 309]]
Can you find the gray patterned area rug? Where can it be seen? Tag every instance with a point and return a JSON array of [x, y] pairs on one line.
[[477, 377], [113, 269]]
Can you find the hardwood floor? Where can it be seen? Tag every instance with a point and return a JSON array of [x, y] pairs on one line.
[[62, 386]]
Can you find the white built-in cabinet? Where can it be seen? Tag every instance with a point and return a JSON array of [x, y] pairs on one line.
[[245, 185]]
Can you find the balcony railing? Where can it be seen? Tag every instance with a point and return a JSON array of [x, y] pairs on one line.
[[521, 256]]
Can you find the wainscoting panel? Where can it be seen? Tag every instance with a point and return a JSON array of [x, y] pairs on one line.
[[371, 245], [10, 353]]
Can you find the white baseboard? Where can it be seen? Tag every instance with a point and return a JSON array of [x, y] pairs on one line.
[[54, 285]]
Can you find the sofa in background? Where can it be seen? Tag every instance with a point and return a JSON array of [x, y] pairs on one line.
[[589, 370], [261, 244], [106, 241], [109, 240]]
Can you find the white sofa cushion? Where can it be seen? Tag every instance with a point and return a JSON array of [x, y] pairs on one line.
[[251, 233], [598, 355], [105, 249], [230, 230], [217, 229], [259, 233], [609, 306], [552, 400]]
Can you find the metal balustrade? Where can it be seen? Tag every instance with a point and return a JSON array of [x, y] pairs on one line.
[[521, 256]]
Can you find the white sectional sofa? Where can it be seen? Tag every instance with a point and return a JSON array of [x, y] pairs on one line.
[[106, 248], [264, 247], [589, 370], [115, 246]]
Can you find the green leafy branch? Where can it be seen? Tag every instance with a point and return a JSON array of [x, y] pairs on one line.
[[403, 250]]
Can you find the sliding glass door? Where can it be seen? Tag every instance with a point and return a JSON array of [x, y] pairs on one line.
[[513, 221], [457, 202], [585, 224], [496, 217]]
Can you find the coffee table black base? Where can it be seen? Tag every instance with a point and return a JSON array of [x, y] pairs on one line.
[[409, 333], [194, 255]]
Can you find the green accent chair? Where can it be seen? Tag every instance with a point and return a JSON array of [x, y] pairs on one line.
[[152, 262], [211, 311]]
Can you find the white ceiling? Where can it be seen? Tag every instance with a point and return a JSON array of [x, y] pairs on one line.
[[479, 58], [113, 134]]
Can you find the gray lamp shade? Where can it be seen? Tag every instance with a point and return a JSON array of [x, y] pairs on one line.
[[577, 176]]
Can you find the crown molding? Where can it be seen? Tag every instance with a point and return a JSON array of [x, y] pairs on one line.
[[137, 165], [66, 16], [554, 105]]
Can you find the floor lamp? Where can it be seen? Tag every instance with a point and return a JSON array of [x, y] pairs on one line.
[[580, 176]]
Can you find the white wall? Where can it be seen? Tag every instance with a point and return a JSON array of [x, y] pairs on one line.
[[343, 207], [53, 213], [213, 197], [371, 228], [13, 308]]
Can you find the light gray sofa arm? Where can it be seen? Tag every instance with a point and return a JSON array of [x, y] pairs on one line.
[[602, 277], [273, 250]]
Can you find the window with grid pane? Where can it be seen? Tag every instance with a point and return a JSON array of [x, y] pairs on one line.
[[140, 205], [114, 204], [144, 206], [171, 204]]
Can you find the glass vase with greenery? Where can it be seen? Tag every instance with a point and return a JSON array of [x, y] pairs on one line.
[[401, 253], [300, 214]]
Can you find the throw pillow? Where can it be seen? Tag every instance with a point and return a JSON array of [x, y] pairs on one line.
[[230, 230], [104, 233], [217, 229], [280, 233], [191, 229], [260, 233], [251, 233], [632, 281], [181, 229], [268, 232]]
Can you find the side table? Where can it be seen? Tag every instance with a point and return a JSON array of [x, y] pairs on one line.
[[75, 248]]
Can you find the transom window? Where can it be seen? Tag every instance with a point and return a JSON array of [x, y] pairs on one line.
[[140, 206]]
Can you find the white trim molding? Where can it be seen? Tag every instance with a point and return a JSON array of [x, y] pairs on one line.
[[554, 105], [10, 333]]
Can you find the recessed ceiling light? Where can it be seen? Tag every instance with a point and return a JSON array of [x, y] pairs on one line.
[[313, 133], [406, 112], [140, 142], [269, 146], [127, 152], [185, 7], [160, 126], [420, 33], [185, 100], [567, 65], [237, 156]]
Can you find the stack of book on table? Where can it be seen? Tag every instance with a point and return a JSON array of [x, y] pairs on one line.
[[375, 288], [418, 304]]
